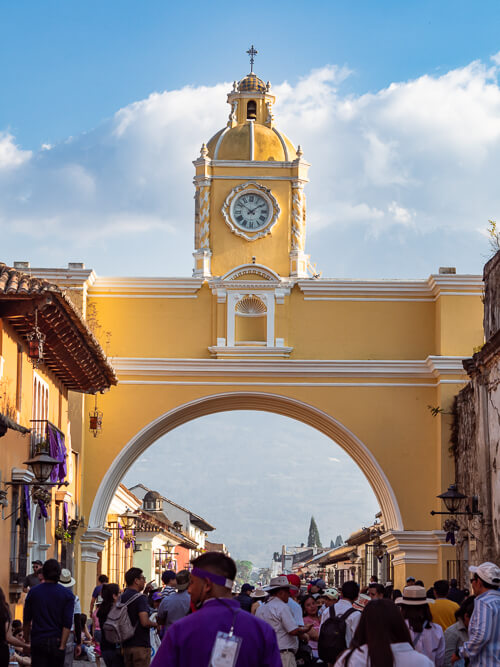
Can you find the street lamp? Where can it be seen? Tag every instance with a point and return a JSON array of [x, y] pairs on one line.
[[452, 499], [42, 465]]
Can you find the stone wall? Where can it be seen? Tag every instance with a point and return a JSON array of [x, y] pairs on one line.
[[477, 435], [491, 277]]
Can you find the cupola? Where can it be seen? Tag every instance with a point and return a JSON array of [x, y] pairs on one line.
[[251, 133]]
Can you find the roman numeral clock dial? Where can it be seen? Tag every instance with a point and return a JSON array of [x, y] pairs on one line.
[[251, 211]]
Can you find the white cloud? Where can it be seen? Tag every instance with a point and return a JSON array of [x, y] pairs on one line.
[[409, 170], [10, 154], [333, 459]]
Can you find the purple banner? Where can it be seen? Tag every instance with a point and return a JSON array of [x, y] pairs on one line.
[[27, 503], [121, 532], [43, 510], [57, 449]]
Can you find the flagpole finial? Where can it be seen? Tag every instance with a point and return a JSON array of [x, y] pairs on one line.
[[252, 52]]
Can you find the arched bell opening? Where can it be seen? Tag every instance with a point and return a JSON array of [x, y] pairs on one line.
[[251, 110]]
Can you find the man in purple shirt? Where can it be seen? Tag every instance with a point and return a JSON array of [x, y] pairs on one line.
[[191, 640]]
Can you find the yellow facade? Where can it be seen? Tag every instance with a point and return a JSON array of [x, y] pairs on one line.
[[254, 329]]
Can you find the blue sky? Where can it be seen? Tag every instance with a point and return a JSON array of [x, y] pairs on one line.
[[69, 65]]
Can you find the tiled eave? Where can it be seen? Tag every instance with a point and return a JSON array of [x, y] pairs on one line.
[[71, 352]]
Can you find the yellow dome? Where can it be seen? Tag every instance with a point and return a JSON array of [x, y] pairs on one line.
[[234, 144], [251, 84]]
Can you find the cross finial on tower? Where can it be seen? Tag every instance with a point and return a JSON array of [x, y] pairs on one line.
[[252, 52]]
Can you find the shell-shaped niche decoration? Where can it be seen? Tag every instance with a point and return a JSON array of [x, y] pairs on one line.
[[251, 306]]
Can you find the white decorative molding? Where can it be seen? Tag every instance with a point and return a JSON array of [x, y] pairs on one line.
[[140, 288], [391, 290], [249, 269], [414, 546], [252, 187], [21, 476], [430, 368], [92, 543], [251, 351]]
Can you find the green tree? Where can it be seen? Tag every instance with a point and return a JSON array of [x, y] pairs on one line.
[[313, 540], [243, 571]]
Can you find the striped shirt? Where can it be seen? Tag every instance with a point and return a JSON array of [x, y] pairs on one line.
[[483, 645]]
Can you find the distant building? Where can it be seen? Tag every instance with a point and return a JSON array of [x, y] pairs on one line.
[[192, 525], [217, 546]]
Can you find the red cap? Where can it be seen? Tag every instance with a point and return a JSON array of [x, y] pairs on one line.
[[294, 580]]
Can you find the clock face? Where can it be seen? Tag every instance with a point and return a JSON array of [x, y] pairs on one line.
[[251, 211]]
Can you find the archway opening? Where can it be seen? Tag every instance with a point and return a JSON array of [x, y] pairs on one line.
[[258, 478]]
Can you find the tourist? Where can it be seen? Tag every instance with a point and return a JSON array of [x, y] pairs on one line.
[[374, 579], [457, 634], [244, 597], [483, 646], [455, 594], [101, 580], [311, 617], [427, 637], [192, 641], [443, 610], [349, 594], [295, 608], [74, 643], [330, 597], [376, 591], [382, 639], [48, 617], [6, 635], [169, 583], [111, 653], [316, 587], [20, 657], [137, 649], [33, 579], [396, 593], [174, 607], [411, 581], [258, 596], [277, 613]]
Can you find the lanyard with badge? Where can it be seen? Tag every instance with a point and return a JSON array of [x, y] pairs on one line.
[[227, 645]]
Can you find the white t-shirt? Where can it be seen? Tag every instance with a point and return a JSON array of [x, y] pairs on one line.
[[351, 622], [278, 615], [404, 656], [296, 610], [430, 642]]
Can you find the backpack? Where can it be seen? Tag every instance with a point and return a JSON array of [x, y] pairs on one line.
[[118, 627], [331, 641]]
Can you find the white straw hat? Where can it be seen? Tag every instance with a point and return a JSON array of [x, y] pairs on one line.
[[414, 596]]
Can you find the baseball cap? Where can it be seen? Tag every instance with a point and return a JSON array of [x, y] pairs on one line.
[[488, 572], [294, 580], [320, 584], [331, 594], [156, 596]]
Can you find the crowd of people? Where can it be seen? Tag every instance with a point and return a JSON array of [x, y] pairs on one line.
[[195, 619]]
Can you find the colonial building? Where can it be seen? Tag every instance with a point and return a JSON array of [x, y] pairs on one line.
[[476, 440], [47, 353], [142, 536], [256, 328]]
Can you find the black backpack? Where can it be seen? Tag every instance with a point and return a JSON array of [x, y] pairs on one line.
[[331, 640]]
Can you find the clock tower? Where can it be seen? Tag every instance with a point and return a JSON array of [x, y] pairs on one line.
[[249, 201]]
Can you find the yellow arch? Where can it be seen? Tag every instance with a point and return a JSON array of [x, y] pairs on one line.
[[266, 402]]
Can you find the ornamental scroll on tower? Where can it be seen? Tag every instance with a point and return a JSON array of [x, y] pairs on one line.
[[298, 240]]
